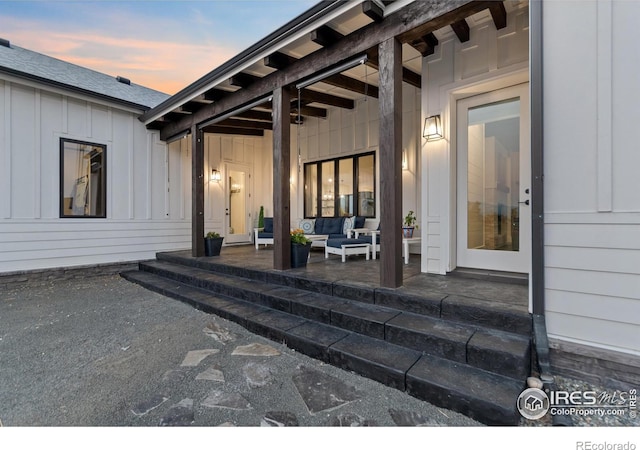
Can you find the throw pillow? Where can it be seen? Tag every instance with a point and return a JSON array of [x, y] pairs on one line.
[[268, 225], [349, 224], [308, 226], [359, 222]]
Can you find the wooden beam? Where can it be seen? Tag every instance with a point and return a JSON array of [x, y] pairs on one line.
[[243, 80], [281, 189], [408, 76], [325, 36], [461, 29], [426, 45], [197, 192], [453, 16], [372, 10], [193, 106], [239, 123], [310, 111], [326, 99], [390, 143], [499, 14], [279, 60], [215, 95], [351, 84], [410, 22], [252, 114], [218, 129]]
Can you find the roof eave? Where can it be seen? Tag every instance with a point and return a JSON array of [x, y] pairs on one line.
[[72, 88]]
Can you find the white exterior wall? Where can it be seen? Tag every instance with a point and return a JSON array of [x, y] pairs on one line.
[[249, 152], [349, 132], [143, 216], [592, 187], [491, 59]]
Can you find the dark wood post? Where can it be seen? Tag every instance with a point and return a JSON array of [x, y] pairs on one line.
[[281, 188], [390, 100], [197, 191]]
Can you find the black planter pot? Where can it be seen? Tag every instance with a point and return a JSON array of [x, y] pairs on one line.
[[212, 246], [299, 254]]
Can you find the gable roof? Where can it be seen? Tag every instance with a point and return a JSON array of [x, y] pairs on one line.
[[44, 69]]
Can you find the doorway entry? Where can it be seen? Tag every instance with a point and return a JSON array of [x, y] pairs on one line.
[[238, 204], [494, 180]]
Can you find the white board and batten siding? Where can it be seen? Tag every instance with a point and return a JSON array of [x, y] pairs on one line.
[[592, 182], [143, 214], [491, 59]]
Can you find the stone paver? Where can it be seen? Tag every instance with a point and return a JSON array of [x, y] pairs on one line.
[[255, 349], [231, 400], [211, 374], [195, 357], [322, 392]]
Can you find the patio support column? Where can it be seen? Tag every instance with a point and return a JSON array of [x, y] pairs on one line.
[[390, 100], [281, 189], [197, 191]]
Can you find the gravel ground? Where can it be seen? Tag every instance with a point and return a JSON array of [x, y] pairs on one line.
[[105, 352]]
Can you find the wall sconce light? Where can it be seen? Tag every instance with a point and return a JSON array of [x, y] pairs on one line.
[[432, 128], [405, 164], [215, 175]]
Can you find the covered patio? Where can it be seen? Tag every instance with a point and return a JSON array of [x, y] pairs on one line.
[[332, 58]]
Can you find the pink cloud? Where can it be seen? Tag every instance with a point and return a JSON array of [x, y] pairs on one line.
[[165, 65]]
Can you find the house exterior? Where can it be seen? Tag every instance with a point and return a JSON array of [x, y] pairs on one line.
[[531, 177], [56, 212]]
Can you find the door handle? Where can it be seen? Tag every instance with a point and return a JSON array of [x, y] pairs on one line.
[[526, 202]]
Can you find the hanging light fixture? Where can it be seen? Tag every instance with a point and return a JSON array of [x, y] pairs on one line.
[[432, 128]]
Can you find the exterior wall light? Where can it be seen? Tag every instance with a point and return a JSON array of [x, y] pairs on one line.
[[215, 175], [432, 128]]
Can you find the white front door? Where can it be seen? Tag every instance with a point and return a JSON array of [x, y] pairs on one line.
[[238, 207], [494, 181]]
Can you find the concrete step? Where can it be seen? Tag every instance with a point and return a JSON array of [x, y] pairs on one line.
[[490, 398], [495, 350], [456, 308]]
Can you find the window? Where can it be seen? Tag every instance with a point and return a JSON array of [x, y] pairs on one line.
[[83, 173], [330, 187]]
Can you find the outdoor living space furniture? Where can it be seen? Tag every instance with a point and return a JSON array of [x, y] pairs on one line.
[[264, 235], [370, 234], [333, 227], [344, 247], [317, 240], [405, 246]]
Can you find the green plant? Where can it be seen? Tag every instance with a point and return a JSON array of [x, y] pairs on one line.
[[410, 220], [298, 237], [261, 217], [211, 235]]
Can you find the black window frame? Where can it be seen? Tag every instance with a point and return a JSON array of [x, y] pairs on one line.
[[102, 187], [336, 167]]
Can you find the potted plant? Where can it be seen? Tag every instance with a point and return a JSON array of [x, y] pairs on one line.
[[300, 247], [409, 225], [261, 217], [212, 243]]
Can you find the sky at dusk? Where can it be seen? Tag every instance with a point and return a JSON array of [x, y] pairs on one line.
[[161, 44]]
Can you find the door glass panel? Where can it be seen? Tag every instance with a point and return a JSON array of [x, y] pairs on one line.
[[366, 186], [493, 176], [345, 186], [311, 190], [328, 194], [237, 206]]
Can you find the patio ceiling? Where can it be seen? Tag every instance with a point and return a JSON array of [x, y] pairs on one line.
[[322, 42]]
